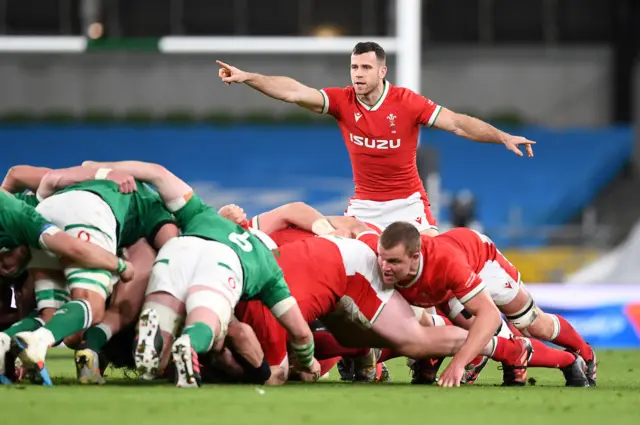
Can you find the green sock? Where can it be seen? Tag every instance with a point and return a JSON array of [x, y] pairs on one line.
[[72, 317], [25, 325], [96, 337], [201, 336]]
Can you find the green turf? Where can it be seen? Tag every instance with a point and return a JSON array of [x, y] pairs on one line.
[[616, 400]]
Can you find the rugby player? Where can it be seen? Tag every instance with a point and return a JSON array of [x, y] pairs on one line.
[[21, 226], [380, 126], [97, 212], [427, 271], [316, 272], [125, 302], [205, 272]]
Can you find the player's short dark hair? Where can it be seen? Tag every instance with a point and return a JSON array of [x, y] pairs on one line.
[[370, 46], [403, 233]]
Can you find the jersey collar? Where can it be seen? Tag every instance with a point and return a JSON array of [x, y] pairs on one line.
[[417, 276], [376, 105]]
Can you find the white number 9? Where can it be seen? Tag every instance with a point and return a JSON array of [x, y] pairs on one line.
[[241, 239]]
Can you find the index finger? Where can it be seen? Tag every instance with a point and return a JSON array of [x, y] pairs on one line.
[[224, 65]]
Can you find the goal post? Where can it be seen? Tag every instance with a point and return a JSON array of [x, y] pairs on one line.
[[405, 44]]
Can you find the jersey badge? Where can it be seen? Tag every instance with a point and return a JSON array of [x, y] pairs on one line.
[[357, 116], [392, 122]]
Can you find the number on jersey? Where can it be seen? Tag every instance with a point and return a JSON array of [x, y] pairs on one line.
[[241, 239]]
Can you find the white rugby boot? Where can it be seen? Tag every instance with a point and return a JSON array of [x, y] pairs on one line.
[[149, 345], [32, 348], [186, 363]]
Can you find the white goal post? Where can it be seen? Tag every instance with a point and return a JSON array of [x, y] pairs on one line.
[[405, 45]]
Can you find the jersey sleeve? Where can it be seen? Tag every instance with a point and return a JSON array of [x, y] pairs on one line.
[[333, 98], [463, 282], [426, 110], [25, 223], [276, 296], [253, 223], [194, 206], [370, 238]]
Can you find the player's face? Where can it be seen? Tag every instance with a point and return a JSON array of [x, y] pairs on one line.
[[367, 73], [11, 262], [396, 264]]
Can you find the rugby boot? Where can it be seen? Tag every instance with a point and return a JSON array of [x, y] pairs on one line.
[[383, 373], [425, 371], [473, 369], [365, 367], [148, 349], [88, 367], [186, 362], [32, 350], [574, 374], [515, 375], [345, 369], [592, 367]]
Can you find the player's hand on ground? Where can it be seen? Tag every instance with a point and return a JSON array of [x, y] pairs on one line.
[[126, 183], [234, 213], [128, 274], [513, 144], [230, 74], [311, 374], [452, 376]]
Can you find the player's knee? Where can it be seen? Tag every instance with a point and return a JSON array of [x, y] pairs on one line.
[[72, 341], [216, 306], [545, 327], [525, 319]]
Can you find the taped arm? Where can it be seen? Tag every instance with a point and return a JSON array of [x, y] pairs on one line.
[[56, 180]]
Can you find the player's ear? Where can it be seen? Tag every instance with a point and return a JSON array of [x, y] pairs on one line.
[[383, 71]]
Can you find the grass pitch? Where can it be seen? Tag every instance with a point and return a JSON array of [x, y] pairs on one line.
[[123, 401]]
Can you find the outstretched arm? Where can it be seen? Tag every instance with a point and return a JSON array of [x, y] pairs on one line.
[[170, 187], [281, 88], [56, 180], [480, 131], [296, 214], [24, 177]]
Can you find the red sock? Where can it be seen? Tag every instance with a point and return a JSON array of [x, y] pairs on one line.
[[387, 354], [569, 338], [507, 350], [327, 364], [328, 347], [545, 356]]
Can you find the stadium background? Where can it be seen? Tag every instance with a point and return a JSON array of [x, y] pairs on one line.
[[108, 80]]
